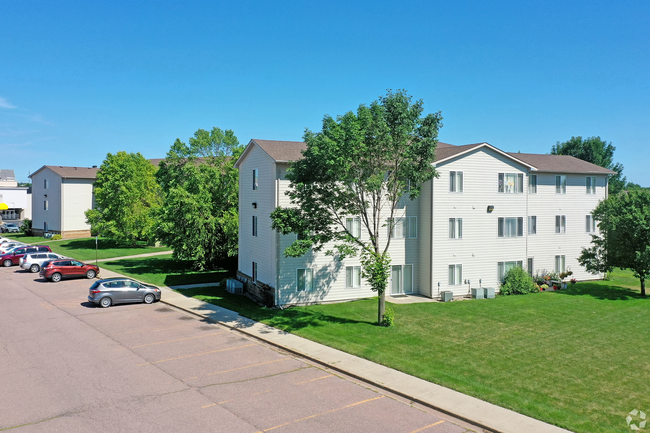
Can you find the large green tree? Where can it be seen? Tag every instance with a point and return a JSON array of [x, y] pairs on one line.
[[199, 215], [624, 235], [596, 151], [359, 165], [126, 197]]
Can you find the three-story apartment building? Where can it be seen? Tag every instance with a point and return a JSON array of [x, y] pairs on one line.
[[488, 211]]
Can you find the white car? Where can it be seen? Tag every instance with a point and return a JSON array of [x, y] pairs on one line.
[[32, 262], [10, 227], [5, 247]]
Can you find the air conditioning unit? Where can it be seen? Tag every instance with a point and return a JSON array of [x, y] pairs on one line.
[[488, 292], [477, 293], [446, 296], [234, 286]]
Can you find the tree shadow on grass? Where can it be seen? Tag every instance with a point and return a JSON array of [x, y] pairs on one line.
[[600, 291], [103, 244]]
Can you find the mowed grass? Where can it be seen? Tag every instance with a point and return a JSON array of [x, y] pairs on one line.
[[84, 249], [164, 271], [577, 358], [21, 237]]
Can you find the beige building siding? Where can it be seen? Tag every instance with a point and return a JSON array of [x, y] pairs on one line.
[[77, 197], [53, 213], [480, 248]]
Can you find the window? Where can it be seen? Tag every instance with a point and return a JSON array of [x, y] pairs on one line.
[[532, 225], [304, 279], [531, 268], [353, 225], [560, 223], [255, 177], [590, 183], [45, 226], [504, 267], [511, 183], [532, 184], [45, 205], [403, 228], [401, 279], [455, 275], [560, 264], [590, 224], [455, 181], [46, 184], [511, 227], [254, 225], [455, 228], [560, 184], [254, 272], [352, 277]]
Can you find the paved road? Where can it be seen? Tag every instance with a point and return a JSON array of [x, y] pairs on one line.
[[66, 365]]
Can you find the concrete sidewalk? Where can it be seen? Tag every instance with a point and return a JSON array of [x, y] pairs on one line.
[[478, 412], [158, 253]]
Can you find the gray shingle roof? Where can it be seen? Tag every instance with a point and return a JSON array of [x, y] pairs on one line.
[[7, 175], [560, 164], [282, 151], [71, 172]]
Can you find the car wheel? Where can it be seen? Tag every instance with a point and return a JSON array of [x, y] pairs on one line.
[[149, 298], [90, 274], [105, 302], [7, 263], [34, 268], [56, 277]]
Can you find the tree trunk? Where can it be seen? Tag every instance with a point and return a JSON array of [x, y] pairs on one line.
[[382, 307], [642, 286]]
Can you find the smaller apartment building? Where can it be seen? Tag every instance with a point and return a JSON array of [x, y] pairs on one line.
[[487, 211], [60, 196]]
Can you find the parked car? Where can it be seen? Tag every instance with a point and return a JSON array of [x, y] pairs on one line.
[[9, 228], [5, 247], [33, 262], [122, 291], [55, 270], [13, 257]]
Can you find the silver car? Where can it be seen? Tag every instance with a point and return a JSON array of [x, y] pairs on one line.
[[6, 247], [32, 262], [121, 291]]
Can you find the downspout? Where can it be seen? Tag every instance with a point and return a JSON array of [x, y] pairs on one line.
[[277, 239]]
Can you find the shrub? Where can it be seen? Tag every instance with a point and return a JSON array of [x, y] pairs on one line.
[[518, 282], [26, 228], [389, 317], [56, 237]]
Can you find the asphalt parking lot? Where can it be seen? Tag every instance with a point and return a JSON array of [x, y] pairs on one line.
[[66, 365]]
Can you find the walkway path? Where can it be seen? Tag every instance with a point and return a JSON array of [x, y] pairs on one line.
[[159, 253]]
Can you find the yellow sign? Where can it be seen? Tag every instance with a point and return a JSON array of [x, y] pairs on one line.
[[3, 206]]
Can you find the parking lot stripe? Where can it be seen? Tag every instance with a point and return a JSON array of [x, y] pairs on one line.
[[46, 306], [197, 354], [248, 366], [424, 428], [208, 405], [172, 341], [311, 380]]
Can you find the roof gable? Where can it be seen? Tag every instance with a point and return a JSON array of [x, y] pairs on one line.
[[279, 151], [561, 164], [71, 172]]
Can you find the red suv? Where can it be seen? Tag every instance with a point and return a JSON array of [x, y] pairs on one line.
[[55, 270], [13, 258]]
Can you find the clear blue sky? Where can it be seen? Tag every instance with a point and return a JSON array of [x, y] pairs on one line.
[[79, 79]]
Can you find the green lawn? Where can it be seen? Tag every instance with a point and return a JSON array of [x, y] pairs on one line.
[[26, 239], [163, 270], [577, 358]]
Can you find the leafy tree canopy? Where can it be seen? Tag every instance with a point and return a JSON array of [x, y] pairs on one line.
[[199, 215], [624, 235], [359, 165], [126, 196], [596, 151]]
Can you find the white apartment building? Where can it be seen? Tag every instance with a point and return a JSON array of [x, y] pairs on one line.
[[488, 211]]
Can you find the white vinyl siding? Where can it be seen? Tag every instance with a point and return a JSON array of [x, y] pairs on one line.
[[352, 277], [511, 183], [511, 227], [455, 275], [560, 184], [304, 279], [455, 228], [590, 224], [532, 184], [560, 223], [353, 225], [560, 264], [455, 181], [532, 225], [504, 267], [590, 184]]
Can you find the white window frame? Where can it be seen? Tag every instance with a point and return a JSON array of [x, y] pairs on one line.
[[501, 268], [256, 174], [46, 205], [352, 277], [455, 274], [517, 188], [590, 224], [353, 225], [560, 224], [532, 225], [455, 228], [403, 228], [560, 263], [456, 181], [590, 184], [309, 282], [402, 273], [46, 184], [410, 227], [254, 228], [532, 184], [560, 184], [502, 224]]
